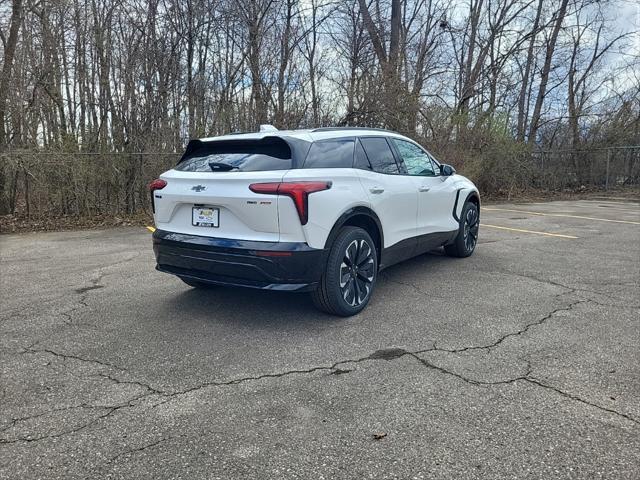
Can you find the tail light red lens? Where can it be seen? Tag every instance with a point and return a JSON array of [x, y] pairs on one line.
[[157, 184], [298, 191]]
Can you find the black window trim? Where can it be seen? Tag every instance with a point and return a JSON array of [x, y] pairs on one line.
[[355, 148]]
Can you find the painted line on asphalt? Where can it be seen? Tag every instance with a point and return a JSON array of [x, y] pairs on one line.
[[151, 229], [565, 215], [521, 230]]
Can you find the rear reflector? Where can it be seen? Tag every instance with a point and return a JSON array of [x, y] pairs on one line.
[[265, 253], [298, 191]]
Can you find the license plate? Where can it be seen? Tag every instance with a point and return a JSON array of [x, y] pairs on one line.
[[205, 217]]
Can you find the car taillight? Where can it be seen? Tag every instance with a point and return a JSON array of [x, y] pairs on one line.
[[157, 184], [298, 191]]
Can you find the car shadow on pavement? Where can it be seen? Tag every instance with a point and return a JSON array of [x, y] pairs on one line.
[[281, 309], [250, 307]]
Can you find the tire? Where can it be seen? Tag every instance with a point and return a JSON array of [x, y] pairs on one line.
[[345, 289], [195, 283], [467, 238]]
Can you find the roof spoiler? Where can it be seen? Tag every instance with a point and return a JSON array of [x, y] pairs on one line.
[[298, 147]]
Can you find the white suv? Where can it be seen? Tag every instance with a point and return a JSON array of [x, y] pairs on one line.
[[320, 210]]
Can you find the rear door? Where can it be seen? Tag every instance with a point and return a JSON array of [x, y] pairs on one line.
[[208, 194], [393, 196]]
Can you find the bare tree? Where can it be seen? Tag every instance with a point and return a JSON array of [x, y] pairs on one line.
[[10, 44]]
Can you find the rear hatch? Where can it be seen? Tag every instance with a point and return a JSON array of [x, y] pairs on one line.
[[208, 194]]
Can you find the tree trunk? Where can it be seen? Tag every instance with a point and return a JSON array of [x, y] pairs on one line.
[[523, 97], [546, 69], [9, 52]]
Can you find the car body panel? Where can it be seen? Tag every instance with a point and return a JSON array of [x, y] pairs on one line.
[[325, 207], [394, 199], [243, 214]]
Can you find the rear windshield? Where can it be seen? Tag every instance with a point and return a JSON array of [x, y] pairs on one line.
[[237, 156]]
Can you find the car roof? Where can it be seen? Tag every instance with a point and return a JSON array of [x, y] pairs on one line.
[[309, 135]]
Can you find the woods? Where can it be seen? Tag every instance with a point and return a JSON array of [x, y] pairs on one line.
[[469, 79]]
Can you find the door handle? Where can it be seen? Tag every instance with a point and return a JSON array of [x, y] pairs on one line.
[[424, 189], [376, 190]]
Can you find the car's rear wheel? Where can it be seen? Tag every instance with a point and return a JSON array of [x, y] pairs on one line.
[[196, 283], [467, 238], [349, 278]]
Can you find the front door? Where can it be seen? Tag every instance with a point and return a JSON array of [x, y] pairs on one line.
[[436, 193]]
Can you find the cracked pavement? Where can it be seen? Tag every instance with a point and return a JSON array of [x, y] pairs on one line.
[[518, 362]]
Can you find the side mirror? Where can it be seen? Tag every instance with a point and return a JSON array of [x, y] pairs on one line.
[[447, 170]]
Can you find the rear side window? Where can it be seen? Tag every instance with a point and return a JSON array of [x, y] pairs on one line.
[[330, 154], [380, 155], [239, 156]]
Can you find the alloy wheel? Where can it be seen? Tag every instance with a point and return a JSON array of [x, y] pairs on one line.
[[357, 272], [471, 227]]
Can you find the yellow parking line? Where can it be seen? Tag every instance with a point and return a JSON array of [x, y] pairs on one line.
[[559, 215], [529, 231], [151, 229]]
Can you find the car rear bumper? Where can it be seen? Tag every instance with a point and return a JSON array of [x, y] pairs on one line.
[[288, 266]]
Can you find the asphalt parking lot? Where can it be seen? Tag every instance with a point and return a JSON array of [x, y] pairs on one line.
[[521, 361]]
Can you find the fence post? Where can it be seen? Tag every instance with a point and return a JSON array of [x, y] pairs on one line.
[[606, 180]]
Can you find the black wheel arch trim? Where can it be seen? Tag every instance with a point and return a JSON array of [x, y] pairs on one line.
[[350, 213], [471, 194]]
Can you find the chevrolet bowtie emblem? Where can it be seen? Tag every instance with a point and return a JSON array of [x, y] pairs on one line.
[[198, 188]]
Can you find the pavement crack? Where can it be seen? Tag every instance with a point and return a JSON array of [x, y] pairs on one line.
[[522, 378], [575, 290], [141, 448], [88, 288], [67, 356], [94, 284], [614, 305], [535, 381], [386, 354], [110, 410], [465, 379], [29, 439], [15, 421], [504, 337], [118, 381]]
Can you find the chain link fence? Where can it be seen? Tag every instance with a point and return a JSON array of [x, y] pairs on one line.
[[80, 184], [601, 168], [37, 185]]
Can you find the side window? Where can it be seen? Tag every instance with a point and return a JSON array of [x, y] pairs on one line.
[[415, 159], [380, 155], [330, 154], [435, 164], [360, 159]]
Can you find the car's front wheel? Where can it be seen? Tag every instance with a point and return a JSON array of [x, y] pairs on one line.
[[349, 278], [467, 238]]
